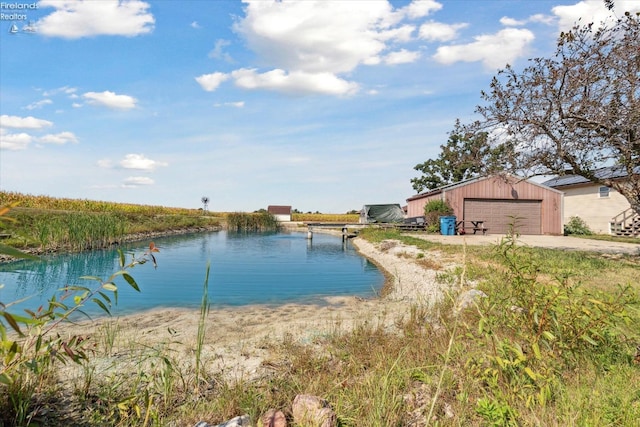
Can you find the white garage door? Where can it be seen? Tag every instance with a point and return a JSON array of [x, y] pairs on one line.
[[499, 214]]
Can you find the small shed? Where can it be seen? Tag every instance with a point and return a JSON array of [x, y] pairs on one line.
[[385, 213], [282, 213], [499, 201]]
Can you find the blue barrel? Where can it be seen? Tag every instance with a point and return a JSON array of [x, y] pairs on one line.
[[448, 225]]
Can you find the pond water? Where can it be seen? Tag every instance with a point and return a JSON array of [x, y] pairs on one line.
[[274, 268]]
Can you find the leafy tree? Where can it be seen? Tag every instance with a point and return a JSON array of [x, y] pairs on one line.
[[578, 110], [461, 158]]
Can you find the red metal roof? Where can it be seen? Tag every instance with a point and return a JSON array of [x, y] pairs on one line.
[[279, 210]]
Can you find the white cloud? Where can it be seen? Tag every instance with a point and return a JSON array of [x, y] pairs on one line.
[[595, 11], [587, 11], [295, 82], [541, 18], [400, 34], [136, 181], [74, 19], [59, 138], [537, 18], [238, 104], [14, 141], [494, 50], [140, 162], [132, 161], [218, 51], [105, 163], [30, 122], [195, 25], [110, 100], [315, 36], [38, 104], [437, 31], [20, 141], [210, 82], [402, 56], [511, 22], [421, 8], [308, 44], [64, 89]]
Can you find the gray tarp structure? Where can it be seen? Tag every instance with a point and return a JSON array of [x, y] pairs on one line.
[[381, 213]]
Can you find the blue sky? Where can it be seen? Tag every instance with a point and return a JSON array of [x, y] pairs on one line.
[[322, 105]]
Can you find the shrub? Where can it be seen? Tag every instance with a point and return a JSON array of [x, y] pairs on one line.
[[577, 226], [433, 210], [534, 328]]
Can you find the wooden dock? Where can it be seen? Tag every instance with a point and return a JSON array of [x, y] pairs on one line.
[[350, 230], [346, 233]]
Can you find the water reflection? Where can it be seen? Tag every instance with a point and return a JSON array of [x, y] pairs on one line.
[[267, 268], [54, 272]]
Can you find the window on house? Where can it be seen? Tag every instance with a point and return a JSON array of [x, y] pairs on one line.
[[604, 192]]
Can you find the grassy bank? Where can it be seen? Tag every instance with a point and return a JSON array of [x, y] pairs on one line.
[[551, 342], [78, 230], [47, 223]]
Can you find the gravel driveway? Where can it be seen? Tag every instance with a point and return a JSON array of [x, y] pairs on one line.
[[554, 242]]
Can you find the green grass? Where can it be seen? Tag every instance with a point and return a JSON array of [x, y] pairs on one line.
[[610, 238], [552, 344]]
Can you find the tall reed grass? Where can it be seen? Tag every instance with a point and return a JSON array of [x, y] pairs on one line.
[[79, 231], [242, 222], [205, 305], [72, 230]]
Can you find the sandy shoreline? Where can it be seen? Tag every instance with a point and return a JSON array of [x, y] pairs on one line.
[[239, 341]]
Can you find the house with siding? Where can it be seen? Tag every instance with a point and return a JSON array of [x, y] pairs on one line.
[[603, 209], [499, 201], [282, 213]]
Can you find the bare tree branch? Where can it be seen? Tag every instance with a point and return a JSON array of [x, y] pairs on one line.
[[578, 110]]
